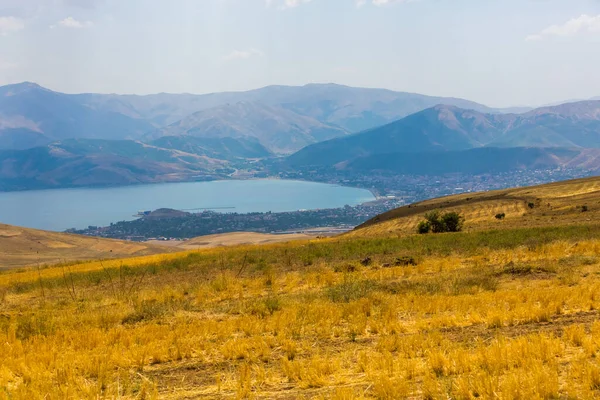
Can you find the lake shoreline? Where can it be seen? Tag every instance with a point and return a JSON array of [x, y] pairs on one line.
[[77, 207], [375, 194]]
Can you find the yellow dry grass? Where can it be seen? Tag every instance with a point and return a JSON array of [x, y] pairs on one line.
[[232, 239], [516, 318], [557, 203], [22, 246]]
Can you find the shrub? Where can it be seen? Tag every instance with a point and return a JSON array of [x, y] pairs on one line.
[[435, 221], [452, 222], [584, 208], [500, 216], [423, 227], [531, 205], [438, 223]]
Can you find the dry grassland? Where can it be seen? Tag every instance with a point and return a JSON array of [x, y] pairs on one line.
[[232, 239], [559, 203], [22, 246], [498, 314]]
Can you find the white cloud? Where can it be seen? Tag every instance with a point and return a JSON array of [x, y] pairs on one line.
[[283, 4], [71, 22], [243, 54], [575, 26], [10, 25]]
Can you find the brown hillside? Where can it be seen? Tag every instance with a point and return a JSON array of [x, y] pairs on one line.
[[557, 203], [23, 246], [233, 239]]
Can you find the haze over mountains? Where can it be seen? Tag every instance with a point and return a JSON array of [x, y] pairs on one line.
[[443, 128], [31, 115], [51, 139], [280, 130]]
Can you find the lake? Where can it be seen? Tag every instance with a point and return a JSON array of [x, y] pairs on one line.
[[61, 209]]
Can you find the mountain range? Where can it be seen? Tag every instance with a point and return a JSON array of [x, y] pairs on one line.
[[31, 116], [288, 116], [450, 129], [279, 130], [51, 139]]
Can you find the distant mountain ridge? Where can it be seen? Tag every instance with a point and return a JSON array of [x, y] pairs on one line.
[[276, 128], [31, 115], [448, 128], [353, 109]]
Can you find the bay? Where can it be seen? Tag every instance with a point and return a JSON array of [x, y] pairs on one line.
[[61, 209]]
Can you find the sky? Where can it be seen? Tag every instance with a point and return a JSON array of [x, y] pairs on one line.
[[497, 52]]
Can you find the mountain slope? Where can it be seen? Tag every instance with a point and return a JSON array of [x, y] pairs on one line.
[[447, 128], [277, 129], [552, 204], [23, 246], [478, 161], [87, 162], [31, 115], [226, 148]]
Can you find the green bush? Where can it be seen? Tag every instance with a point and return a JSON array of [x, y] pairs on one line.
[[423, 227], [500, 216], [437, 222], [452, 222]]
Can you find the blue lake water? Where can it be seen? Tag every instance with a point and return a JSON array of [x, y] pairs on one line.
[[62, 209]]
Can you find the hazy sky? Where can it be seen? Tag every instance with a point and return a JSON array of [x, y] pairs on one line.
[[498, 52]]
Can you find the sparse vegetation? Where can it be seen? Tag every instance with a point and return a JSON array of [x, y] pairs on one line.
[[437, 222], [482, 314]]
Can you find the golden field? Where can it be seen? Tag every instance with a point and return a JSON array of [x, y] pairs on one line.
[[554, 204], [21, 247], [507, 313]]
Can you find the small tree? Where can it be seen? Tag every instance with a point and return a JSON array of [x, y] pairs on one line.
[[423, 227], [500, 216], [452, 222], [435, 221]]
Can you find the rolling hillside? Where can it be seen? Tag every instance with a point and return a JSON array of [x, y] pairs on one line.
[[447, 128], [23, 246], [559, 203]]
